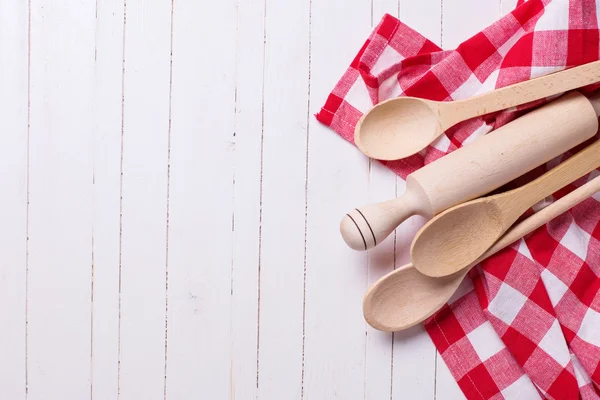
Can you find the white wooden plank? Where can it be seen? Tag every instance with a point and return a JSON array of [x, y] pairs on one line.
[[424, 16], [248, 129], [283, 199], [378, 385], [13, 181], [507, 6], [144, 199], [61, 188], [108, 90], [414, 365], [201, 200], [456, 28], [381, 7], [414, 352], [446, 386], [336, 276]]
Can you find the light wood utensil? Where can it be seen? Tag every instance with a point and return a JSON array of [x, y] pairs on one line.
[[405, 297], [458, 236], [479, 168], [400, 127]]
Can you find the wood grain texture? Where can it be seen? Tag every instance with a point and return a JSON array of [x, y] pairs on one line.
[[246, 199], [200, 220], [335, 275], [14, 98], [108, 119], [282, 243], [147, 52], [418, 375], [60, 200]]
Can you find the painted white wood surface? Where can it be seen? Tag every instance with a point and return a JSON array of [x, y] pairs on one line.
[[200, 200], [170, 208], [144, 199], [336, 277], [106, 240], [14, 58], [60, 182]]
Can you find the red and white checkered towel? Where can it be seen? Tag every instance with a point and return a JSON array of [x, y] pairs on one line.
[[527, 324]]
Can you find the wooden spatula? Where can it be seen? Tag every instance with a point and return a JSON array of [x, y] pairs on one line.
[[460, 235]]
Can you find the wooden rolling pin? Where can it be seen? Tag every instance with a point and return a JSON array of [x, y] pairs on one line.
[[480, 167]]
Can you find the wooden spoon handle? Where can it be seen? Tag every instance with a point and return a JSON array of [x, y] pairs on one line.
[[566, 172], [543, 216], [521, 93]]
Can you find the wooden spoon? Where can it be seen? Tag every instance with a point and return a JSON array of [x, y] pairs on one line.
[[481, 167], [403, 126], [405, 297], [455, 238]]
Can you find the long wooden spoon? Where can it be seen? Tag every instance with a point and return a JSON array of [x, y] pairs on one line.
[[405, 297], [455, 238], [403, 126]]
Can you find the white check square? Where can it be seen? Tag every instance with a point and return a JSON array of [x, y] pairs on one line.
[[388, 57], [485, 341], [358, 96], [555, 17], [588, 330], [555, 345], [522, 388], [554, 286], [576, 240], [507, 303]]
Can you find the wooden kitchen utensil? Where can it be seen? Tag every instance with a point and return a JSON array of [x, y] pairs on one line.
[[479, 168], [458, 236], [403, 126], [405, 297]]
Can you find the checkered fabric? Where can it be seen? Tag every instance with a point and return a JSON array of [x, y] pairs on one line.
[[526, 322]]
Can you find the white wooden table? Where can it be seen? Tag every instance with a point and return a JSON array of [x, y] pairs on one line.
[[170, 207]]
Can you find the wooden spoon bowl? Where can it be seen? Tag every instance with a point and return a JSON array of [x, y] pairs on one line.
[[406, 123], [465, 232], [406, 298]]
